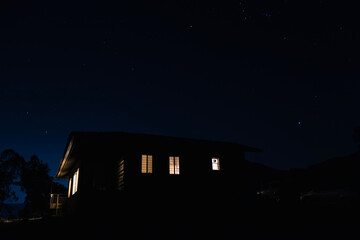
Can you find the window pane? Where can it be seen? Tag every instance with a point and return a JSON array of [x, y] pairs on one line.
[[143, 163], [174, 165], [121, 175], [77, 179], [177, 165], [171, 165], [146, 163], [149, 164], [75, 182], [215, 163]]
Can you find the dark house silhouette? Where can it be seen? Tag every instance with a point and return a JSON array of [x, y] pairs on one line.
[[122, 172]]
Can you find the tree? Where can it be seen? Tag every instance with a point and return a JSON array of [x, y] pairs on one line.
[[10, 171], [36, 183]]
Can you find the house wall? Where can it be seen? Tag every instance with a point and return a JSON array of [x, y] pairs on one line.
[[197, 187], [73, 202]]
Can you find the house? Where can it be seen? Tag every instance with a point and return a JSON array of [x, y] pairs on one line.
[[118, 171]]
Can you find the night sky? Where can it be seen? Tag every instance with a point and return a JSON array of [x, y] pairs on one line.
[[282, 76]]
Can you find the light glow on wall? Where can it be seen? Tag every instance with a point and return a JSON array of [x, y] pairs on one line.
[[69, 190]]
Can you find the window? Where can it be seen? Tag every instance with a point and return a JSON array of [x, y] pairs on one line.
[[215, 163], [121, 175], [75, 182], [146, 163], [174, 165], [69, 190]]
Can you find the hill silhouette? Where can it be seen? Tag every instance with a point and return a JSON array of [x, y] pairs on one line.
[[338, 171]]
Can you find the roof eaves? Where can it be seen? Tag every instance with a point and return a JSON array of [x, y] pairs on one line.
[[65, 157]]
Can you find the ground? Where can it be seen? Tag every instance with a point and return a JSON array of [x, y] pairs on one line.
[[265, 222]]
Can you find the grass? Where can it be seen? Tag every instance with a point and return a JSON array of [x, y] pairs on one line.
[[271, 221]]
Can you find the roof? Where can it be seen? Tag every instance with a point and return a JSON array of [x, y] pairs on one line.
[[97, 139]]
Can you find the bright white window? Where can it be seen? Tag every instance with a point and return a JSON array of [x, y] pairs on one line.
[[215, 163], [146, 163], [75, 182], [174, 165], [69, 190]]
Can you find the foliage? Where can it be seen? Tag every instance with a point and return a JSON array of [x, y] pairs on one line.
[[10, 171], [36, 183], [33, 178]]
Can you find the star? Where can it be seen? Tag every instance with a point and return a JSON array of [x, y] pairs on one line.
[[299, 123]]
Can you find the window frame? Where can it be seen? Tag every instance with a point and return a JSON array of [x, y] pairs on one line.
[[75, 182], [121, 175], [146, 163], [174, 165], [215, 163]]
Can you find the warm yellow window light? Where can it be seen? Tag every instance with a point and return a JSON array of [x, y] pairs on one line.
[[149, 164], [171, 165], [146, 163], [121, 172], [215, 163], [69, 190], [75, 182], [174, 165]]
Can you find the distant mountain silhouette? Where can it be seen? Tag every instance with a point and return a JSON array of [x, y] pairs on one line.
[[339, 170]]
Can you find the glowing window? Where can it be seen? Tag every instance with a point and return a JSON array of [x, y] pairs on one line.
[[75, 182], [69, 191], [174, 165], [146, 163], [121, 175], [215, 163]]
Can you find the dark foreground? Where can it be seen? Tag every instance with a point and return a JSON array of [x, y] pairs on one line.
[[265, 222]]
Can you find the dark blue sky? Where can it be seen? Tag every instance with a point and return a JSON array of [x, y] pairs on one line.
[[280, 76]]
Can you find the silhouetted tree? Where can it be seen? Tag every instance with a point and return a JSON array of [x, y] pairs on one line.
[[36, 183], [10, 170]]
